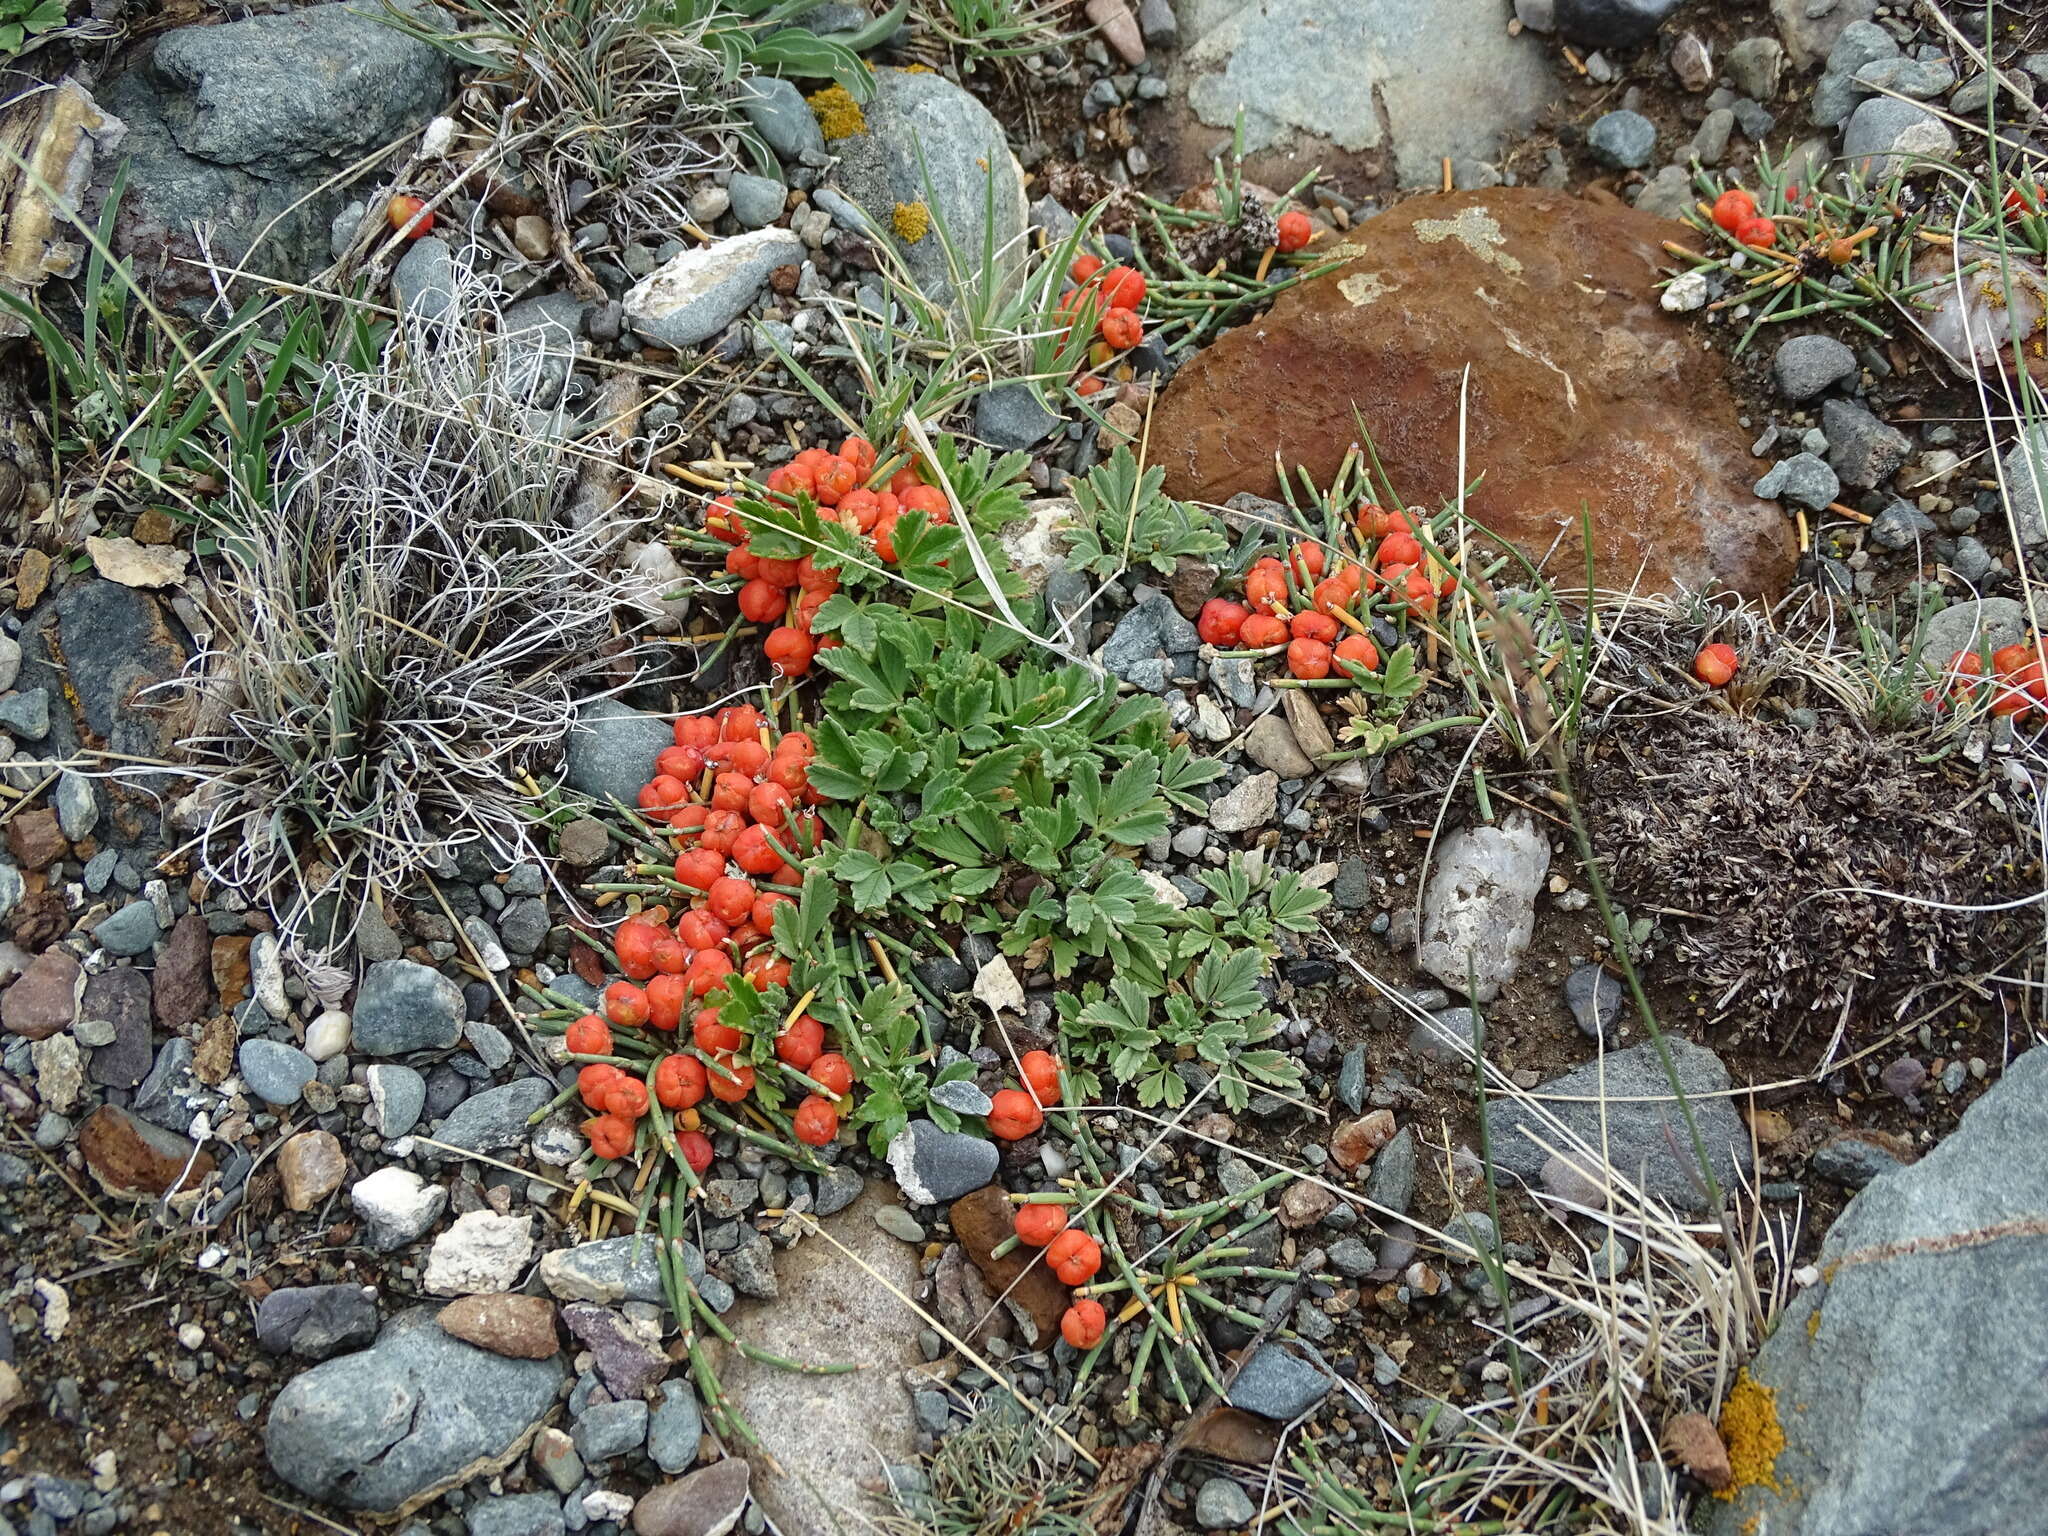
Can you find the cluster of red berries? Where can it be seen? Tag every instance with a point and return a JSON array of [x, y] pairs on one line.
[[731, 800], [2019, 678], [1305, 603], [1109, 301], [1071, 1254], [1735, 211], [788, 593]]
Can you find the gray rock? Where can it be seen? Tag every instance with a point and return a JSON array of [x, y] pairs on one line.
[[1278, 1384], [121, 999], [78, 807], [612, 749], [1921, 78], [496, 1118], [778, 112], [2026, 477], [1222, 1505], [1413, 79], [1451, 1035], [674, 1428], [1852, 1162], [1806, 365], [1862, 450], [1644, 1132], [1899, 526], [10, 661], [1624, 140], [1710, 139], [1351, 1080], [934, 1166], [837, 1189], [1011, 416], [693, 296], [928, 141], [1756, 65], [275, 1072], [515, 1514], [1668, 193], [1838, 91], [398, 1094], [1886, 135], [1993, 621], [26, 715], [606, 1430], [1479, 910], [316, 1321], [1810, 29], [131, 931], [415, 1415], [1391, 1184], [963, 1096], [233, 129], [608, 1272], [1270, 743], [1610, 23], [1805, 478], [1912, 1380], [404, 1006], [1136, 638], [538, 346], [425, 282], [1593, 994], [1251, 804], [523, 926], [757, 201]]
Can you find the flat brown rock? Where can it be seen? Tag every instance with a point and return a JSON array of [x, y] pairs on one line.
[[133, 1159], [522, 1327], [981, 1221], [44, 998], [1582, 391]]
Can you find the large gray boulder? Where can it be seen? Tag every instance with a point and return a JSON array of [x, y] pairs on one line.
[[1644, 1134], [416, 1414], [1911, 1382], [928, 142], [232, 127]]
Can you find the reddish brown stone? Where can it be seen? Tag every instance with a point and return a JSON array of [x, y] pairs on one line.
[[44, 998], [981, 1221], [35, 839], [1582, 391], [522, 1327], [181, 991], [1355, 1143], [134, 1159], [1695, 1444], [230, 966]]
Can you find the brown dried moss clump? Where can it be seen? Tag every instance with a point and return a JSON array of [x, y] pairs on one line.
[[1772, 855], [1753, 1435], [839, 115]]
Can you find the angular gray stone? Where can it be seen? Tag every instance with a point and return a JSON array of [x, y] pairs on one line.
[[275, 1072], [934, 1166], [1885, 135], [1755, 65], [1391, 1184], [2025, 467], [608, 1272], [1479, 910], [1644, 1131], [1221, 1504], [398, 1094], [496, 1118], [121, 998], [1989, 622], [416, 1414], [1593, 993], [928, 141], [1810, 29], [1805, 365], [515, 1514], [26, 714], [698, 292], [1251, 804], [1863, 452], [1805, 478], [78, 807], [1912, 1381], [230, 127], [612, 749], [425, 283], [1011, 417], [131, 931], [1851, 1162], [606, 1430], [1278, 1384], [316, 1321], [403, 1006]]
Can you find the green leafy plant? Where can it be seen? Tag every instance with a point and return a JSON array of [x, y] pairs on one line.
[[1128, 521], [21, 20], [995, 29]]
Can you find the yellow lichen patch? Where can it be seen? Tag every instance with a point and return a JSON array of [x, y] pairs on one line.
[[1813, 1324], [839, 115], [913, 221], [1750, 1428], [918, 69]]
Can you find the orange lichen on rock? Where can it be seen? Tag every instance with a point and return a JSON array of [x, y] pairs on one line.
[[1753, 1435], [839, 115]]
